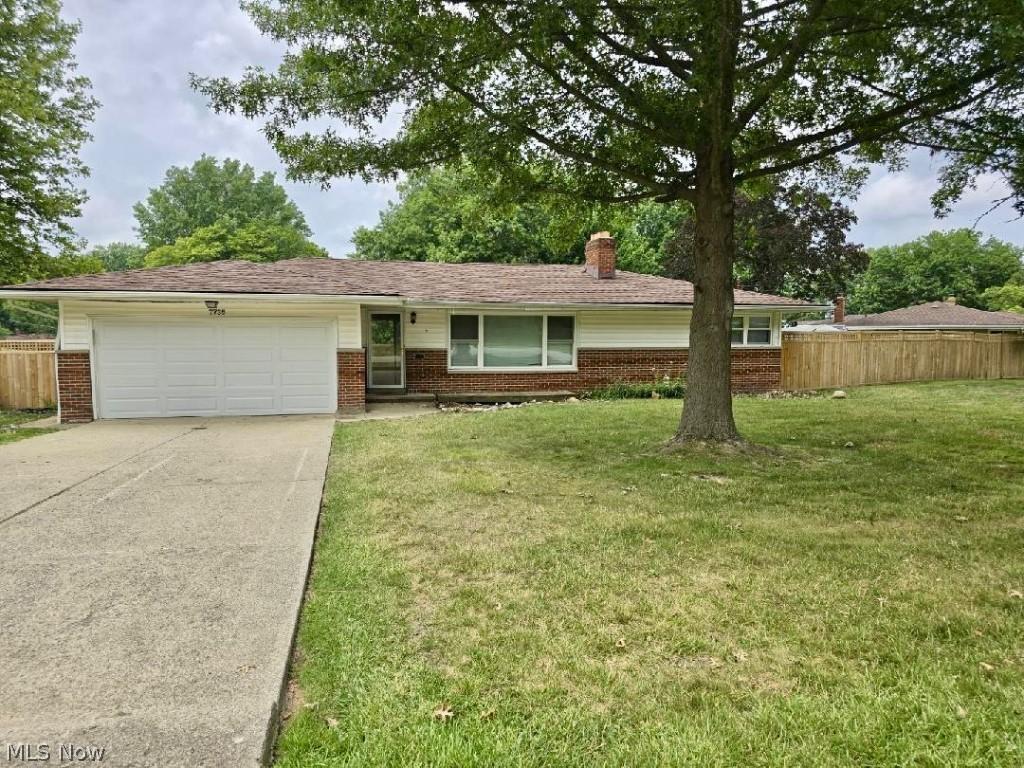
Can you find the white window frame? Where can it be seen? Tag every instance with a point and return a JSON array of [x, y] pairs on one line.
[[481, 368], [746, 328]]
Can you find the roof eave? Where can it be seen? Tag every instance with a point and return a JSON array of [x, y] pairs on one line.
[[57, 295], [53, 295]]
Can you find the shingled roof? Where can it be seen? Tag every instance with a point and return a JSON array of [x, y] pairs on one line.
[[937, 314], [413, 280]]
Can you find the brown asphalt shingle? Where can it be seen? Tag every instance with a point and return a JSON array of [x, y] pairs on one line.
[[936, 314], [421, 281]]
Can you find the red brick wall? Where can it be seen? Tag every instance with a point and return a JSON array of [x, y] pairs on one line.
[[426, 370], [756, 370], [351, 380], [74, 386]]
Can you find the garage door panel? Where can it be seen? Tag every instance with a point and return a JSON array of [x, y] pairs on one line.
[[192, 355], [252, 334], [221, 366], [248, 355], [300, 354], [188, 380], [305, 378], [124, 394], [145, 412], [249, 379], [133, 374], [251, 405], [310, 335], [132, 335], [133, 356], [248, 367], [301, 404]]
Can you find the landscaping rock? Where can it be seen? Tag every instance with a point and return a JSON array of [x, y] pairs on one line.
[[839, 395]]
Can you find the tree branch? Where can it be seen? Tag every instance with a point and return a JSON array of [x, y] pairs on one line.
[[560, 148], [768, 9], [662, 57], [878, 132], [879, 117], [795, 49]]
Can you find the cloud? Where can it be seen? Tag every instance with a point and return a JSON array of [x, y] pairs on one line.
[[894, 208], [139, 56]]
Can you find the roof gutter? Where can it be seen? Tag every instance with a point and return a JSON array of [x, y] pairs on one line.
[[527, 305], [56, 295]]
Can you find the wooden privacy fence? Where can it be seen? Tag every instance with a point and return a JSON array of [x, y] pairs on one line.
[[28, 377], [846, 359]]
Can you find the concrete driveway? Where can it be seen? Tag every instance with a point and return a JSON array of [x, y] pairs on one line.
[[150, 576]]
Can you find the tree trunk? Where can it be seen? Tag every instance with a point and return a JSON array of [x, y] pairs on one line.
[[707, 410]]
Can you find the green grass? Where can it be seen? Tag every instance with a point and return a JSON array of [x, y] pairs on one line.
[[10, 419], [577, 597]]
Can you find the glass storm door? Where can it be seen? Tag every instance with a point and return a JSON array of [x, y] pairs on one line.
[[387, 367]]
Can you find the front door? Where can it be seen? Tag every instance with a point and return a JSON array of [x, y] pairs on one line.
[[387, 364]]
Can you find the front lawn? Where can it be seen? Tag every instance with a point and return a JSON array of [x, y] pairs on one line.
[[9, 421], [544, 587]]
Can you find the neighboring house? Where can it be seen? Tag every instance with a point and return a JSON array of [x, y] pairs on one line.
[[937, 316], [931, 316], [316, 335]]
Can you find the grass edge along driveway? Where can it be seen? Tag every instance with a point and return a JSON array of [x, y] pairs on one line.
[[545, 587], [9, 421]]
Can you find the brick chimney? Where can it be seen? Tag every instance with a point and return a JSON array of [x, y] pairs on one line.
[[600, 252], [839, 310]]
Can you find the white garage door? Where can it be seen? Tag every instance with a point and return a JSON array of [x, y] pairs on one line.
[[213, 367]]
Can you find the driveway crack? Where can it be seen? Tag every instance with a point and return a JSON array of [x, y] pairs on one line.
[[67, 488]]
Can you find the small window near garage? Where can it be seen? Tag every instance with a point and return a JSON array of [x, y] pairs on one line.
[[751, 330]]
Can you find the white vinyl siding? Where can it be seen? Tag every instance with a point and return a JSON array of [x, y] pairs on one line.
[[350, 331], [633, 329], [76, 316], [430, 330]]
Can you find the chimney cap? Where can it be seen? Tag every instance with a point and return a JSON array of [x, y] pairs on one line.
[[601, 235]]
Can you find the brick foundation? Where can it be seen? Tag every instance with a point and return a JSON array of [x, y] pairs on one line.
[[74, 387], [426, 370], [351, 380]]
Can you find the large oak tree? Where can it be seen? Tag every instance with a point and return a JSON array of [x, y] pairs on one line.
[[624, 100]]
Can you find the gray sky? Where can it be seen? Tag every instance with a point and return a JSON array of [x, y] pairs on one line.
[[138, 55]]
